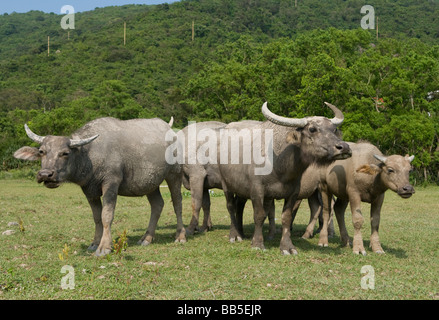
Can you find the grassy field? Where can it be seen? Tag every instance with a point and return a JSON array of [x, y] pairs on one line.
[[207, 266]]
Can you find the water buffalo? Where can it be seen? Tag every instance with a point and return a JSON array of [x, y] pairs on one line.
[[365, 177], [199, 177], [108, 157], [289, 146]]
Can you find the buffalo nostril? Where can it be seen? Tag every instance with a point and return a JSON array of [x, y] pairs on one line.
[[342, 146], [45, 174]]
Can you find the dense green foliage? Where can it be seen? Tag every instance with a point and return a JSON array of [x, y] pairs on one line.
[[243, 52]]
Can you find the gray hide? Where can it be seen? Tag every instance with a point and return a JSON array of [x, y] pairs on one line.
[[197, 177], [296, 144], [108, 157]]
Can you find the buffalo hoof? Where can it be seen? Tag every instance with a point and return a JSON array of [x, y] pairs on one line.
[[144, 242], [323, 245], [190, 231], [307, 235], [259, 246], [376, 247], [102, 252], [363, 252], [181, 236], [289, 252], [93, 247], [233, 239], [204, 229]]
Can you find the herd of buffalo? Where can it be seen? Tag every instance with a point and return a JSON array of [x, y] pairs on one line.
[[279, 158]]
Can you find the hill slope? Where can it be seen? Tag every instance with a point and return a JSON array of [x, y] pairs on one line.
[[270, 49]]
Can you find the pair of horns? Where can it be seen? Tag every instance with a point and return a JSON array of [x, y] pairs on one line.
[[300, 122], [73, 142], [383, 159]]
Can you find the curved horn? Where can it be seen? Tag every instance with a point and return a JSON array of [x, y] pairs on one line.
[[81, 142], [171, 122], [283, 121], [383, 159], [339, 117], [33, 136]]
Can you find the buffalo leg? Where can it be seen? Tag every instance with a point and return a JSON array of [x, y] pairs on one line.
[[375, 211], [240, 205], [326, 201], [286, 246], [197, 197], [271, 211], [339, 209], [207, 221], [231, 207], [357, 220], [96, 208], [156, 201], [174, 184], [259, 218], [109, 200], [315, 209]]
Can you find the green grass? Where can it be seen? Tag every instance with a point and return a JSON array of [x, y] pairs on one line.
[[207, 266]]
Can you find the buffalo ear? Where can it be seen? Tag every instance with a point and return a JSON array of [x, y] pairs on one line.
[[293, 136], [27, 153], [370, 169]]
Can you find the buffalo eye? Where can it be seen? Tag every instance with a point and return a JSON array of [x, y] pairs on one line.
[[390, 170], [312, 129], [64, 154], [41, 152]]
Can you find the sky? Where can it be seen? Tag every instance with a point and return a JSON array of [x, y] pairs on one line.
[[8, 6]]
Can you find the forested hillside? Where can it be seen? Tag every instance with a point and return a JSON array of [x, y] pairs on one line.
[[220, 60]]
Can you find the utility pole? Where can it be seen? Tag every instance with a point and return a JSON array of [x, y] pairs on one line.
[[193, 30], [48, 45], [377, 28], [124, 33]]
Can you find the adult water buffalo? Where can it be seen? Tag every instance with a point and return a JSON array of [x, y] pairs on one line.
[[288, 147], [200, 176], [108, 157], [365, 177]]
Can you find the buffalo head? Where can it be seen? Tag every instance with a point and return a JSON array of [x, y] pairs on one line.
[[56, 154], [318, 137], [395, 170]]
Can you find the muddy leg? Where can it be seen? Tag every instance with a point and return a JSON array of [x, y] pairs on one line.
[[96, 208], [271, 211], [339, 209], [326, 200], [174, 184], [109, 199], [197, 198], [156, 201], [357, 220], [207, 222], [375, 212], [286, 246]]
